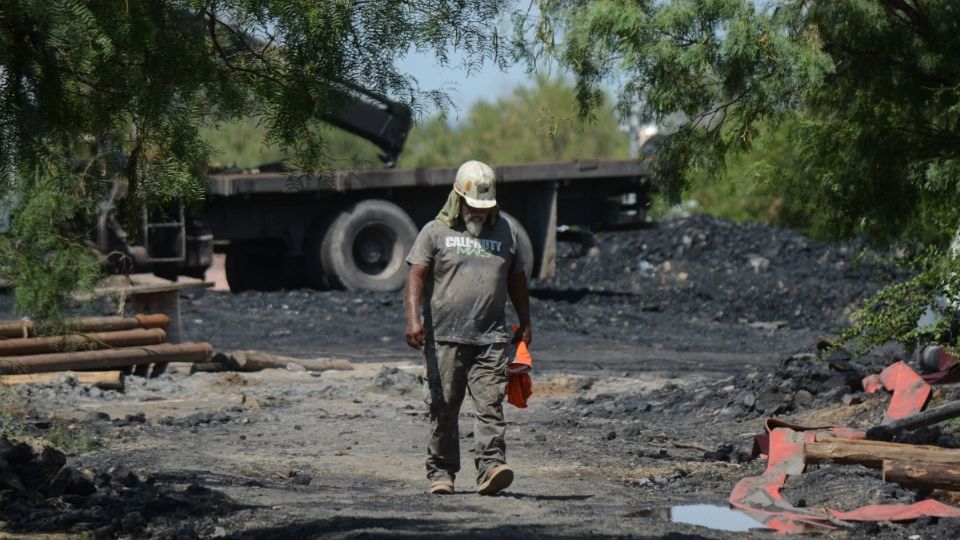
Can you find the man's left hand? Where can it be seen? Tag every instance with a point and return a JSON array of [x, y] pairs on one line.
[[524, 333]]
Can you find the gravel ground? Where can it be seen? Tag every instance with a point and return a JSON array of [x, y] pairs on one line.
[[658, 353]]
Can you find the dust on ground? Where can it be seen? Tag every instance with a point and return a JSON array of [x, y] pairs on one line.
[[657, 355]]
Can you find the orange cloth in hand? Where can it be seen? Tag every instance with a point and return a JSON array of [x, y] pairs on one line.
[[519, 385], [519, 388]]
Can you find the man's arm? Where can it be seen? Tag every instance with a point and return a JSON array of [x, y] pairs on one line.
[[412, 298], [520, 297]]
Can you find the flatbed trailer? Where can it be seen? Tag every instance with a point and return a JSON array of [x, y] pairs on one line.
[[353, 229]]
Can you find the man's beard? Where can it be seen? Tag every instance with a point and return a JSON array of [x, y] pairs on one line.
[[474, 226]]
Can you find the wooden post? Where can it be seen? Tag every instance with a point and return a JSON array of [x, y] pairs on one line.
[[101, 340], [872, 453], [540, 221], [25, 329], [917, 474], [105, 380], [932, 416], [106, 359]]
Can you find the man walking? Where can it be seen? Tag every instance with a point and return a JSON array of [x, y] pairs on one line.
[[463, 266]]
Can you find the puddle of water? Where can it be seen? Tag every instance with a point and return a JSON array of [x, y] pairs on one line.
[[714, 517]]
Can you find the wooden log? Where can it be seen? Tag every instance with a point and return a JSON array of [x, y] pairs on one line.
[[256, 361], [106, 359], [872, 453], [917, 474], [886, 431], [73, 342], [105, 380], [25, 329]]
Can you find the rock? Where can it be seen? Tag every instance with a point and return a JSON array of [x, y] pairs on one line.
[[132, 522], [97, 416], [103, 533], [52, 460], [8, 450], [759, 264], [749, 399], [69, 481], [126, 478], [397, 381], [302, 479], [138, 417], [852, 399], [610, 436], [728, 453], [196, 489], [218, 532], [803, 397]]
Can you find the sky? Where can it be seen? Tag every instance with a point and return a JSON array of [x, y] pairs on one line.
[[464, 89]]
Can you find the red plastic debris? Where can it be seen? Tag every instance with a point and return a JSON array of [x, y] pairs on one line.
[[760, 498], [899, 512], [761, 444], [910, 391]]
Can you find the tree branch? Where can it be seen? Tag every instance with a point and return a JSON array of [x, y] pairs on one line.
[[912, 16]]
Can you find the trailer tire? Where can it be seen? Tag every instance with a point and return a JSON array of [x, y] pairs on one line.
[[365, 246], [524, 245]]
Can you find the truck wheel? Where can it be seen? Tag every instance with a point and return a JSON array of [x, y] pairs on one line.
[[248, 268], [525, 246], [365, 246]]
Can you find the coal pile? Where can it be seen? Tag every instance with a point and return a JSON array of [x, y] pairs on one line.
[[800, 382], [719, 270], [28, 475], [844, 488], [40, 491]]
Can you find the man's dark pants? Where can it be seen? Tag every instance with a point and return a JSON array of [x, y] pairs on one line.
[[454, 369]]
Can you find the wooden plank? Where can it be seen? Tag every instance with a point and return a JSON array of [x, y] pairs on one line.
[[145, 284]]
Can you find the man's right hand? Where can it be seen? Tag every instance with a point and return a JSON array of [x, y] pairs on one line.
[[416, 337]]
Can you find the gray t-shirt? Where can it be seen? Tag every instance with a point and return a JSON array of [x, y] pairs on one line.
[[466, 293]]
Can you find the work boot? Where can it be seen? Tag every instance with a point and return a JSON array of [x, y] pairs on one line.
[[498, 478], [441, 487]]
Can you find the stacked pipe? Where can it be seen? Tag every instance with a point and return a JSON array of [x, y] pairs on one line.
[[93, 343]]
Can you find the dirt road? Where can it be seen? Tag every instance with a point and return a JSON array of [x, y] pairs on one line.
[[649, 388]]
